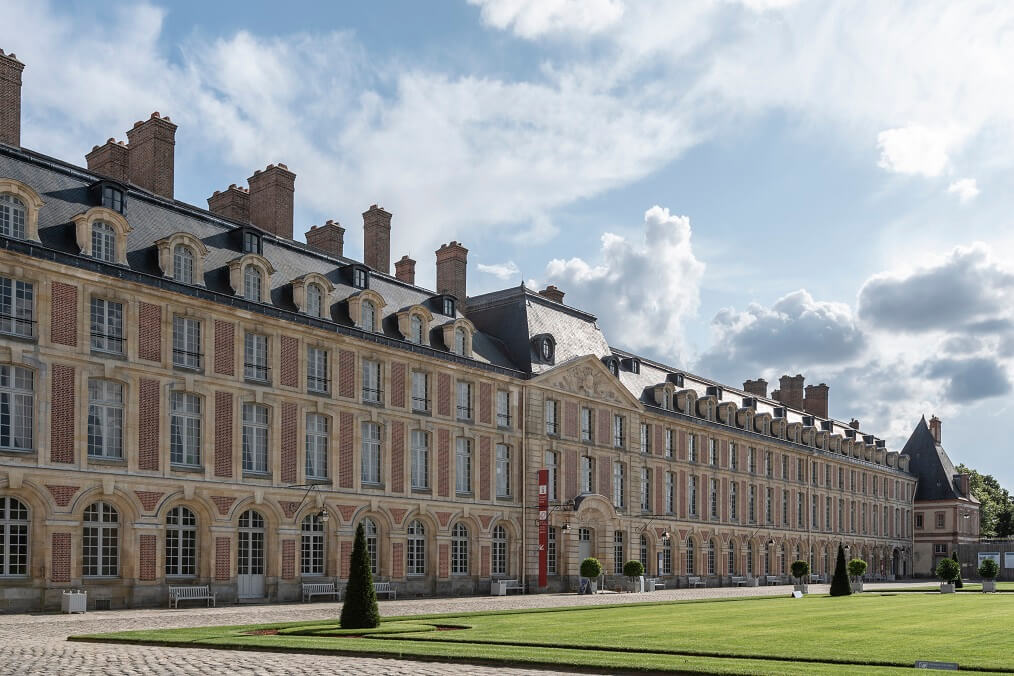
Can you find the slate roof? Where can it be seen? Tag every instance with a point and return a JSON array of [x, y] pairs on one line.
[[929, 461]]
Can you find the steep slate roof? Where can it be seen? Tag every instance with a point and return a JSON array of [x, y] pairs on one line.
[[929, 461]]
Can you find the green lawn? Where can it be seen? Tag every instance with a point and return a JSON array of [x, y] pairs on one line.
[[872, 632]]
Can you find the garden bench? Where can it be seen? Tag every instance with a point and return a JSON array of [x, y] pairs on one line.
[[511, 585], [657, 581], [772, 579], [195, 593], [311, 589], [386, 589], [696, 582], [738, 581], [814, 579]]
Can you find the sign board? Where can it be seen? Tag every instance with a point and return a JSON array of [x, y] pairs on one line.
[[988, 555], [543, 479], [1008, 559], [797, 594], [947, 666]]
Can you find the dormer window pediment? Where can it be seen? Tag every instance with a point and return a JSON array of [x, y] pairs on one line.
[[251, 240], [358, 275], [311, 294], [414, 324], [102, 233], [613, 364], [365, 310], [19, 206], [250, 277], [458, 336], [181, 258]]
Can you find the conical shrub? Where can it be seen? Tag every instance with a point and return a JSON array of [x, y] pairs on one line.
[[840, 582], [360, 608]]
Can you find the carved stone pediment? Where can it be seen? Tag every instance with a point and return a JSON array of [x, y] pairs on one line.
[[588, 378]]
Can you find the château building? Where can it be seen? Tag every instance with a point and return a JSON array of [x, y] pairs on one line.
[[191, 396]]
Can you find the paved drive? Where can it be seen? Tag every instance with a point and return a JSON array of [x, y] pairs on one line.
[[35, 644]]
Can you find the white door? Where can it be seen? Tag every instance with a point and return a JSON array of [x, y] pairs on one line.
[[584, 546], [250, 556]]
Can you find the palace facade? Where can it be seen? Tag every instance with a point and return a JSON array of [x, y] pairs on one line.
[[190, 396]]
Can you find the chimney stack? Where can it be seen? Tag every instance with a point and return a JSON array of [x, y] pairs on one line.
[[934, 425], [790, 391], [271, 199], [854, 424], [10, 99], [452, 264], [758, 388], [405, 270], [152, 146], [552, 293], [328, 238], [377, 239], [815, 402], [232, 203], [110, 159]]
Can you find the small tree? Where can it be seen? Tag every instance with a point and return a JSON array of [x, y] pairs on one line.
[[591, 568], [800, 569], [989, 569], [857, 568], [633, 569], [948, 570], [840, 582], [958, 584], [360, 608]]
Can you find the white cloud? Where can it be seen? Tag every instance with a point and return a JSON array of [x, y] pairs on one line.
[[966, 189], [534, 18], [641, 291], [916, 150], [503, 271]]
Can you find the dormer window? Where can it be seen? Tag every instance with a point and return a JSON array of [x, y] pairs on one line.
[[368, 316], [103, 242], [459, 341], [613, 364], [251, 283], [112, 198], [415, 332], [251, 242], [12, 216], [545, 348], [359, 278], [183, 264], [449, 307], [314, 299], [19, 210]]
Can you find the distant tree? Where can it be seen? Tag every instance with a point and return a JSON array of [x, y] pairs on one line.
[[1005, 523], [958, 584], [996, 506], [360, 608], [840, 582]]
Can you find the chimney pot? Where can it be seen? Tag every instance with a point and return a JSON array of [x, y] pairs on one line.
[[232, 203], [552, 293], [377, 239], [758, 388], [404, 269], [790, 389], [110, 159], [854, 424], [152, 146], [271, 200], [328, 238], [452, 266], [934, 425], [815, 402], [10, 99]]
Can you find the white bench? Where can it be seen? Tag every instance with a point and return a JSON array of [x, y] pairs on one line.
[[738, 581], [657, 582], [196, 593], [814, 578], [696, 582], [311, 589], [772, 580], [386, 589]]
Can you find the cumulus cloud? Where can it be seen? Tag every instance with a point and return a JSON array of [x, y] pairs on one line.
[[641, 290], [534, 18], [916, 150], [969, 380], [966, 189], [503, 271]]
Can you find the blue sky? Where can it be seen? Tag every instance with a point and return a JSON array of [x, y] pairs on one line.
[[742, 188]]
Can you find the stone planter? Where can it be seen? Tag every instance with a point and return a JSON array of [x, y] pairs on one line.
[[75, 602], [801, 588], [988, 586], [857, 587], [946, 588]]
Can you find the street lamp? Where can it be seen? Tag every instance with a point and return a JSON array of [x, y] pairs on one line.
[[323, 515]]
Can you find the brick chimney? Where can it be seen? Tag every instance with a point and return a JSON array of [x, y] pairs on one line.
[[328, 238], [271, 199], [152, 146], [377, 239], [405, 270], [552, 293], [790, 391], [758, 388], [10, 99], [232, 203], [854, 424], [452, 264], [815, 402], [110, 159], [934, 425]]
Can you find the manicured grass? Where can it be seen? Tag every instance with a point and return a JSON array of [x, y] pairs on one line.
[[816, 634], [969, 587]]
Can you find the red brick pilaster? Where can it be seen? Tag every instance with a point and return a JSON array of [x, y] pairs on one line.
[[570, 461], [443, 394], [485, 403], [290, 434], [60, 566], [605, 477], [443, 560], [484, 562], [225, 347], [484, 467], [397, 560], [443, 463], [149, 331], [63, 314], [570, 419], [345, 450], [148, 424], [288, 361], [288, 559], [397, 457], [346, 373], [604, 433], [398, 370], [223, 561], [146, 558], [346, 558], [62, 421], [223, 434]]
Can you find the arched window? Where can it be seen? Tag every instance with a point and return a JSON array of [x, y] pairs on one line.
[[499, 561], [459, 341], [14, 525], [459, 549], [105, 419], [101, 541], [368, 315], [732, 558], [103, 242], [180, 543], [415, 553], [12, 216], [372, 550], [252, 283], [711, 557], [17, 407], [690, 557], [183, 264], [314, 300], [312, 541], [415, 333]]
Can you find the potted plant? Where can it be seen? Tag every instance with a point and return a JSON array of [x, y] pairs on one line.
[[591, 569], [988, 571], [857, 568], [947, 570], [800, 569], [840, 581], [958, 584], [634, 570]]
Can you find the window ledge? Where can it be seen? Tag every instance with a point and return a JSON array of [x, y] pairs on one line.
[[19, 452], [248, 474], [103, 460], [419, 411], [191, 469], [103, 354], [423, 491], [20, 339], [257, 381], [317, 480]]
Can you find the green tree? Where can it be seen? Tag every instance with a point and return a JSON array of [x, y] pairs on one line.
[[989, 569], [996, 506], [800, 569], [591, 568], [948, 569], [857, 568], [958, 584], [840, 582], [360, 608], [633, 569]]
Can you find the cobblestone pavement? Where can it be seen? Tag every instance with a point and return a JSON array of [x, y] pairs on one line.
[[36, 644]]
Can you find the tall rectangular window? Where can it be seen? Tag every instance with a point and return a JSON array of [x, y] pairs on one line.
[[255, 357], [420, 391], [316, 370], [785, 467], [549, 461], [769, 508], [618, 552], [692, 495], [800, 470], [420, 460], [645, 489], [503, 471], [619, 494], [669, 442], [785, 507], [185, 429], [769, 469], [186, 342], [464, 401], [645, 438], [17, 407], [17, 308], [255, 438], [692, 447], [800, 509], [371, 453], [107, 326], [105, 419], [713, 497], [713, 452], [551, 424], [618, 431], [463, 465], [503, 408], [733, 457], [316, 446], [751, 504], [670, 492], [751, 460], [587, 474], [371, 381], [734, 501], [586, 424]]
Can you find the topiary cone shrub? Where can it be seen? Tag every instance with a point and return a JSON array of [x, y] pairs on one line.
[[360, 608], [958, 584], [800, 569], [840, 582]]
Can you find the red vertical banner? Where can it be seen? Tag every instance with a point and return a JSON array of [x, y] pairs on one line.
[[543, 526]]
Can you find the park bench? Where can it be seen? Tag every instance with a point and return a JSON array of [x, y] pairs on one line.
[[738, 581], [195, 593], [657, 581], [772, 579], [505, 587], [814, 579], [311, 589], [696, 582], [386, 589]]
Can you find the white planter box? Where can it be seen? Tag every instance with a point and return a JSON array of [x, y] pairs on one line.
[[946, 588], [593, 586], [989, 586], [75, 602], [753, 582], [801, 588], [857, 587]]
